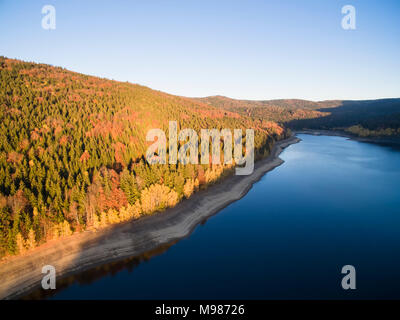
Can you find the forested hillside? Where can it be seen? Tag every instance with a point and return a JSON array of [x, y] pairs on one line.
[[273, 110], [72, 152], [363, 118]]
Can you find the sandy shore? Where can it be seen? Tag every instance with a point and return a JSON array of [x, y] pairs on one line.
[[22, 274]]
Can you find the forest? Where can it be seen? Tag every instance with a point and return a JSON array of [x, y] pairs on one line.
[[373, 118], [72, 152]]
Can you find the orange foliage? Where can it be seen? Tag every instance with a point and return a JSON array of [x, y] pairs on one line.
[[84, 157], [274, 127], [14, 157], [115, 198]]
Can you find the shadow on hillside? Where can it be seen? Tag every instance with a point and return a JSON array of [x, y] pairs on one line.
[[368, 113]]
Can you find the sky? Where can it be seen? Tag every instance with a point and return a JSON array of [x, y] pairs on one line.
[[241, 49]]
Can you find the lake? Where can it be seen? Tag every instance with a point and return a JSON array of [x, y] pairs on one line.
[[334, 202]]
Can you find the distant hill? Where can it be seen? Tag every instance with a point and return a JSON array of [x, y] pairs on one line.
[[360, 117], [377, 114], [274, 110], [72, 151]]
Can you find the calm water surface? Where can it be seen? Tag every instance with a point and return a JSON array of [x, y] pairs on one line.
[[333, 202]]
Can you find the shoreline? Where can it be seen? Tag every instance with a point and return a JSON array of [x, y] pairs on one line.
[[378, 140], [21, 275]]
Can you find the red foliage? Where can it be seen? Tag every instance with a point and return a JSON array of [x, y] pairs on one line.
[[115, 198], [14, 157], [119, 149], [64, 140], [85, 156]]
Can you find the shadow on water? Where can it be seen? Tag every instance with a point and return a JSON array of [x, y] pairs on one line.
[[294, 231], [104, 269], [93, 274]]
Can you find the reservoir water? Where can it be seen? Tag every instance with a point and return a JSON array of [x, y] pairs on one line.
[[334, 202]]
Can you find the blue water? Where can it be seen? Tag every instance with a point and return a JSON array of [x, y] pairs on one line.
[[334, 202]]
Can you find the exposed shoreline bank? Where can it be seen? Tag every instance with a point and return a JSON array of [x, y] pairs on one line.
[[22, 274], [378, 140]]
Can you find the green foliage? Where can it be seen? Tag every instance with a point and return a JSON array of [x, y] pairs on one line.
[[381, 132], [363, 118], [72, 147]]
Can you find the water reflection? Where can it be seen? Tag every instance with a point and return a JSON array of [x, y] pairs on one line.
[[93, 274]]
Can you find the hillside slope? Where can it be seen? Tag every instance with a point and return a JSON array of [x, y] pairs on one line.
[[72, 151], [360, 117], [273, 110]]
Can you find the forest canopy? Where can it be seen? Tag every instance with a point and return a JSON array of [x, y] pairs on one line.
[[72, 152], [374, 118]]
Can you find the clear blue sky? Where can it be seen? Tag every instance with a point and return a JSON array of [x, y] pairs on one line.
[[241, 49]]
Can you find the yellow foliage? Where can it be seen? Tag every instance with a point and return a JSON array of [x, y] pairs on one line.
[[96, 221], [65, 229], [62, 229], [158, 197], [124, 213], [56, 231], [20, 243], [112, 216], [31, 241], [103, 219], [212, 174], [137, 209], [172, 198], [131, 211], [188, 188]]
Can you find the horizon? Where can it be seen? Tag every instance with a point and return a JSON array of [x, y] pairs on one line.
[[216, 95], [246, 51]]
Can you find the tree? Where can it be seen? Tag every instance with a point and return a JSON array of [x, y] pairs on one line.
[[66, 229], [72, 148], [158, 197], [31, 241], [188, 188], [20, 242]]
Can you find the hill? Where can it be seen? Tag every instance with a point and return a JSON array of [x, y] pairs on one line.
[[379, 117], [72, 151], [273, 110]]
